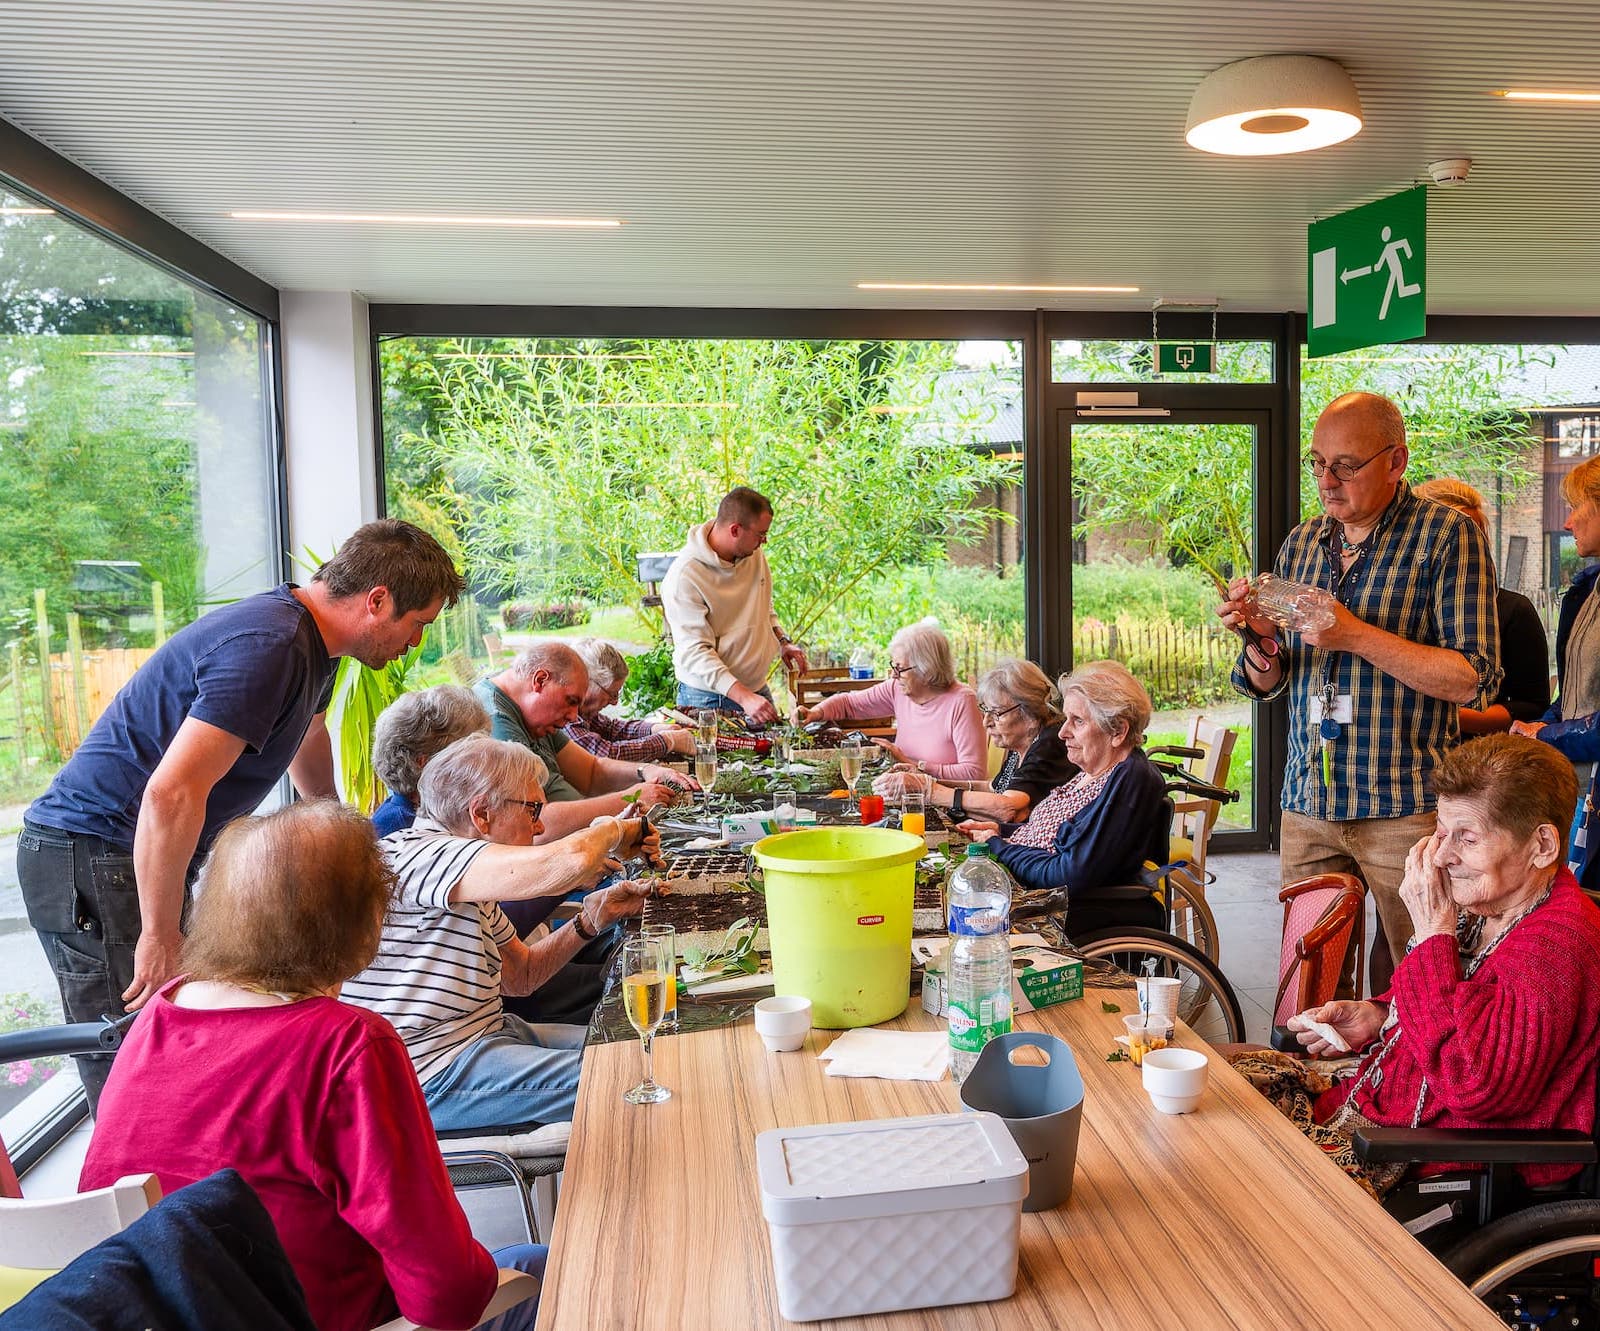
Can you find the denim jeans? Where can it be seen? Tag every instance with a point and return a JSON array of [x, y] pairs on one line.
[[529, 1257], [1374, 850], [82, 902], [689, 696], [517, 1074]]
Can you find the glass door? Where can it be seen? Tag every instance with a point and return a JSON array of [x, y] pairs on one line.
[[1163, 511]]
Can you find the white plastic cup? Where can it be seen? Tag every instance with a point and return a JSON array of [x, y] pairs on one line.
[[1158, 996], [1175, 1079], [783, 1022]]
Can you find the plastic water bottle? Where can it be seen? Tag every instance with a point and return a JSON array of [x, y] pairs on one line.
[[1295, 606], [980, 957], [861, 663]]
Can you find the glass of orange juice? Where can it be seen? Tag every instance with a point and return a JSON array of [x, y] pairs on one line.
[[914, 812]]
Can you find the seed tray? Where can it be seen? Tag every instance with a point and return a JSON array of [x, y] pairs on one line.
[[702, 919]]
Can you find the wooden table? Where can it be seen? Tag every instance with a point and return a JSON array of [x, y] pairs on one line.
[[660, 1224]]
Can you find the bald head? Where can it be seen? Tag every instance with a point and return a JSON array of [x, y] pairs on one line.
[[556, 659], [1366, 415]]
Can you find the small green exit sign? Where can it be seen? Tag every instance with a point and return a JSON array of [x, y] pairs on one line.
[[1186, 357]]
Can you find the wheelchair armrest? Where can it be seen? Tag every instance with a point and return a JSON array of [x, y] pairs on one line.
[[1482, 1146], [1284, 1040]]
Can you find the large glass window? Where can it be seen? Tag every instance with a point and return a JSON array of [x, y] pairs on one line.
[[137, 455], [1511, 420], [551, 465]]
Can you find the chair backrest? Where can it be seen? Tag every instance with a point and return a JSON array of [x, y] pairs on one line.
[[809, 687], [1320, 917], [47, 1233]]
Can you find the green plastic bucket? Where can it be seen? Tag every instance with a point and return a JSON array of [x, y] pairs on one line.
[[839, 917]]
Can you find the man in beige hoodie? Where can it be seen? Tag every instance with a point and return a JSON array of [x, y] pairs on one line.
[[718, 601]]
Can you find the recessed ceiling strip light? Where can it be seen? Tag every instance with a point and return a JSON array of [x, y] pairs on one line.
[[1533, 95], [424, 219], [989, 286]]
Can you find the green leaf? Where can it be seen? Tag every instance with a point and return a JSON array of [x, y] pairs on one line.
[[1116, 1056], [1109, 1007]]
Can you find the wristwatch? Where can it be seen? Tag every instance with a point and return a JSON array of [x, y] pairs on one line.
[[584, 932], [958, 800]]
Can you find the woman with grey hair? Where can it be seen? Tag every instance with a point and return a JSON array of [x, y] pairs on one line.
[[608, 736], [410, 730], [938, 728], [1098, 829], [1020, 717]]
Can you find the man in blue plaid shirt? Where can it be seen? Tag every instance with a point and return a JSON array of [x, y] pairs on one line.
[[1373, 698]]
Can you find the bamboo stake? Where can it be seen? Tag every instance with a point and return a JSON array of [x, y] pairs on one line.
[[16, 698], [158, 605], [47, 714], [80, 701]]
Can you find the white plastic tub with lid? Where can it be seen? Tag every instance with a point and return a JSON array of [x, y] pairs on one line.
[[892, 1213]]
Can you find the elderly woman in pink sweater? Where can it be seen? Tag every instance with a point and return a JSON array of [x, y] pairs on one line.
[[938, 728]]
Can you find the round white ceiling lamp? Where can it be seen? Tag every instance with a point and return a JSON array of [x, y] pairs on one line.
[[1273, 104]]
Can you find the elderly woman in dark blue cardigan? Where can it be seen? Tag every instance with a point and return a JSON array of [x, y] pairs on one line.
[[1098, 829]]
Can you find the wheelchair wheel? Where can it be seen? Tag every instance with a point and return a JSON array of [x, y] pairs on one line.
[[1206, 1001], [1191, 917], [1536, 1267]]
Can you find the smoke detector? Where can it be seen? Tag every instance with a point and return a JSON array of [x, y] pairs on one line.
[[1450, 171]]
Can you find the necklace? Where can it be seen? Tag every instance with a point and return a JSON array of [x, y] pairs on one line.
[[1347, 547]]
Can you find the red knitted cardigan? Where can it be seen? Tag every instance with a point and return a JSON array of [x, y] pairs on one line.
[[1516, 1046]]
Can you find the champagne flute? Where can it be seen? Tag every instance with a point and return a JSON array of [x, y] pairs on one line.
[[705, 771], [645, 976], [668, 938], [850, 771]]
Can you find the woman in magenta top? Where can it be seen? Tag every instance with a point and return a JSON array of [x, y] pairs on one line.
[[1491, 1019], [938, 727], [249, 1061]]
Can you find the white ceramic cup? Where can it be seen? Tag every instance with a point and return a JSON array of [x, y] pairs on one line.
[[783, 1022], [1158, 996], [1175, 1079]]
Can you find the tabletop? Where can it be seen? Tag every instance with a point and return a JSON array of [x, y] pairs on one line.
[[1225, 1217]]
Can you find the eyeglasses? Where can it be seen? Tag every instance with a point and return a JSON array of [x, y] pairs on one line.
[[1344, 471], [534, 808], [896, 671], [995, 713]]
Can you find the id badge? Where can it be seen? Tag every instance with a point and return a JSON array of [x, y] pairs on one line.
[[1344, 709]]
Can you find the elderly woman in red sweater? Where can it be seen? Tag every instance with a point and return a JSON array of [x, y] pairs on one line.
[[1492, 1017]]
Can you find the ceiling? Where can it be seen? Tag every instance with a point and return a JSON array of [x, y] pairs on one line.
[[764, 153]]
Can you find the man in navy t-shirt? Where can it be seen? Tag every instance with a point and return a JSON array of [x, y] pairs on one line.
[[200, 735]]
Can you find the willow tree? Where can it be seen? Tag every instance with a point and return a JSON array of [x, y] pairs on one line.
[[555, 463], [1187, 490]]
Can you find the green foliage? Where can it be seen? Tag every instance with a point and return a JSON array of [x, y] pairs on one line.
[[1189, 488], [651, 683], [21, 1011], [557, 615], [1113, 588], [359, 695], [559, 461]]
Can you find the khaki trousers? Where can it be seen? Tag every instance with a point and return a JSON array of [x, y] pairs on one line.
[[1374, 850]]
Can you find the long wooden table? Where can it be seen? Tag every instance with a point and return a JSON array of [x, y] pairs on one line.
[[660, 1224]]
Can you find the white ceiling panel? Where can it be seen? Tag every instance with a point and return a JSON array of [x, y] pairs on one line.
[[773, 154]]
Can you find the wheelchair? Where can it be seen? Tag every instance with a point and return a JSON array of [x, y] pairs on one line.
[[1531, 1254], [1133, 925]]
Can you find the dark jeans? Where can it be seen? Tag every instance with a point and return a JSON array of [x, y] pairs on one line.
[[82, 902], [570, 995]]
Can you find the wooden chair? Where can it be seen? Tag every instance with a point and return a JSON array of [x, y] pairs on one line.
[[809, 687], [1320, 917], [1193, 819], [495, 649]]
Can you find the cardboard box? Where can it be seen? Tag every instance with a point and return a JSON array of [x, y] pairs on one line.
[[1048, 978]]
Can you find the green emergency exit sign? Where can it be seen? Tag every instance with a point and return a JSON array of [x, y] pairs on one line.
[[1186, 357]]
